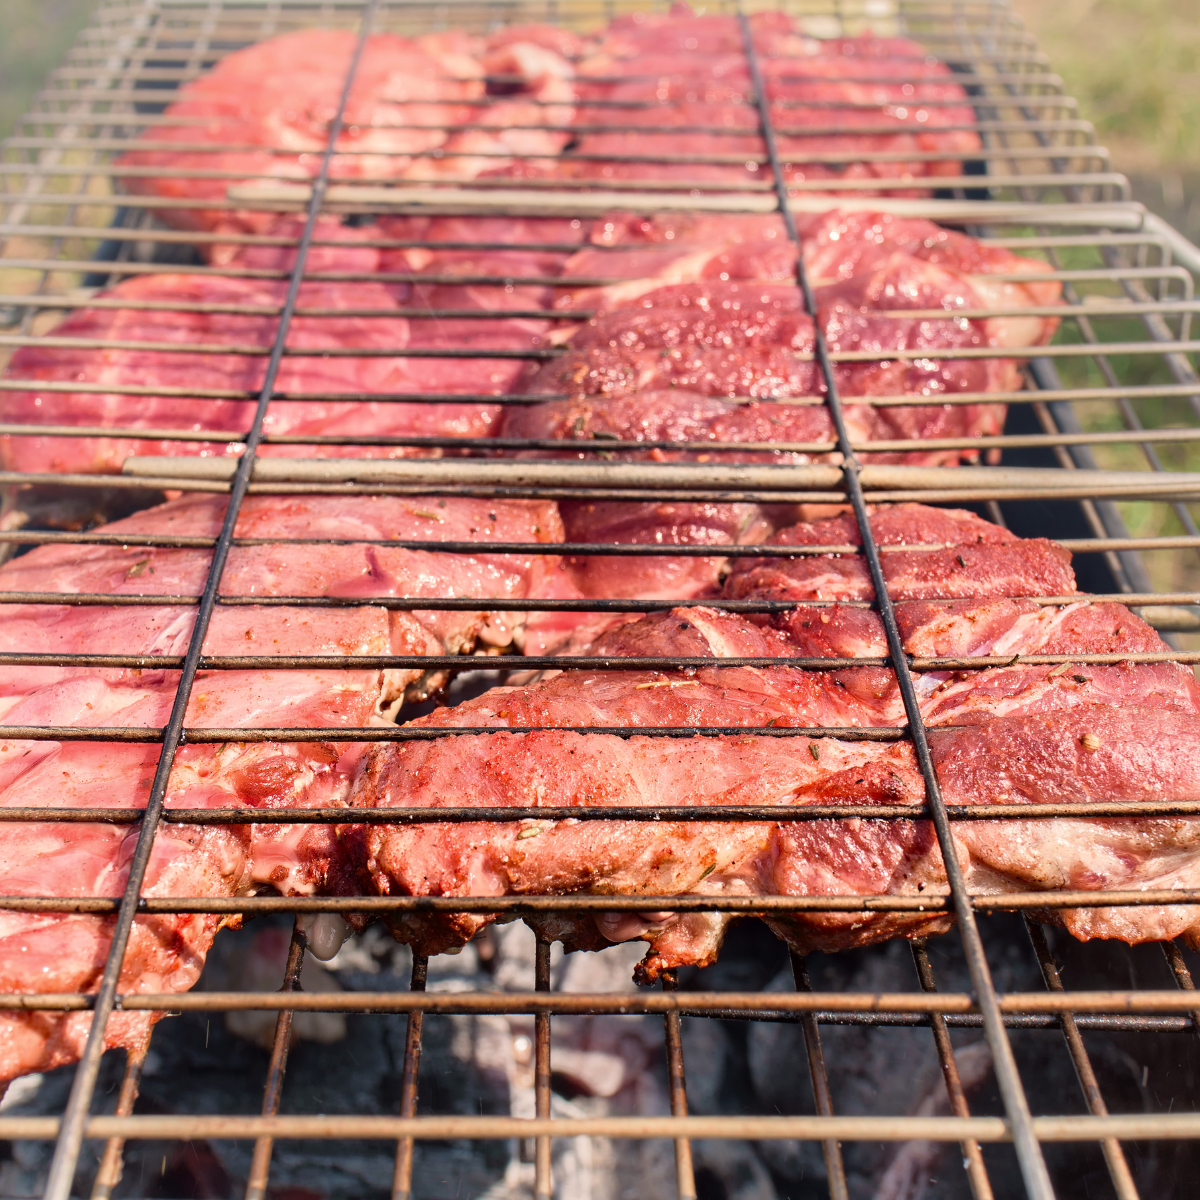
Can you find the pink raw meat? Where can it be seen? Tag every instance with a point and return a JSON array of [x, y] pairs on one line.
[[264, 113], [526, 123], [669, 358], [59, 952], [311, 374], [830, 101]]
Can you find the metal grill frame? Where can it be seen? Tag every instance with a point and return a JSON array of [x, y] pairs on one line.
[[1042, 172]]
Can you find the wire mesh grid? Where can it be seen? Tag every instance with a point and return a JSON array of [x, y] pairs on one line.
[[1117, 388]]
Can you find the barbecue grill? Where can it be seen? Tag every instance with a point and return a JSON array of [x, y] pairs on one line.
[[1111, 405]]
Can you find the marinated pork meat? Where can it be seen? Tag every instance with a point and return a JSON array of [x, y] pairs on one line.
[[335, 246], [1012, 734], [466, 265], [688, 87], [263, 114], [638, 102], [460, 251], [62, 952], [703, 345], [839, 246], [196, 334], [527, 120], [359, 292]]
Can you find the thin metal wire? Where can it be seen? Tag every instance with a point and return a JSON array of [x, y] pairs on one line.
[[108, 1174], [1120, 1006], [835, 1169], [1033, 1166], [402, 1176], [981, 1187], [543, 1186], [1183, 976], [70, 1139], [1114, 1156], [685, 1176], [260, 1162]]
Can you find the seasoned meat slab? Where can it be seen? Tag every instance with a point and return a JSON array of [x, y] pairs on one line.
[[1014, 733], [63, 952], [711, 315]]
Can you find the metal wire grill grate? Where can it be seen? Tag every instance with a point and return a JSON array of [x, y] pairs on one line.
[[1117, 388]]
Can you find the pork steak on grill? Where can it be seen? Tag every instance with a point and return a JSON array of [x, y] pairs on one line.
[[1013, 733], [59, 952], [684, 86], [711, 315], [201, 337]]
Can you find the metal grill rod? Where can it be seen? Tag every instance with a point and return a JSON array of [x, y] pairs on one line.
[[923, 902], [605, 447], [402, 1175], [464, 662], [831, 1150], [981, 1188], [543, 1185], [617, 550], [108, 1174], [75, 1114], [1033, 1166], [260, 1163], [1114, 1156], [1041, 395], [724, 813], [148, 121], [685, 1178], [749, 160]]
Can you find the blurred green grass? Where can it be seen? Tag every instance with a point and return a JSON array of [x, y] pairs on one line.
[[1134, 67], [34, 36]]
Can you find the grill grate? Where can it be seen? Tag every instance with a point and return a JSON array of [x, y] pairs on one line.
[[1118, 388]]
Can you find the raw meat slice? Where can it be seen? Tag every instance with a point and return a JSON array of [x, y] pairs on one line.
[[239, 340], [688, 86], [666, 357], [668, 523], [528, 120], [564, 42], [974, 558], [677, 248], [840, 244], [469, 248], [245, 121], [59, 952], [335, 247], [264, 112], [1008, 734], [721, 338]]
